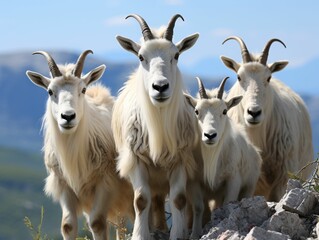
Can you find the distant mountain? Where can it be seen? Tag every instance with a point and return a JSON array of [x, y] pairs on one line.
[[302, 79], [21, 194], [22, 104]]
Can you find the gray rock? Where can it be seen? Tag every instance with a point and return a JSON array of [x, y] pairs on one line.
[[287, 223], [298, 201], [230, 235], [258, 233], [239, 216], [317, 229], [294, 217], [292, 184]]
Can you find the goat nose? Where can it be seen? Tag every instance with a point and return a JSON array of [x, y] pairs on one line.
[[160, 87], [254, 112], [68, 117], [210, 136]]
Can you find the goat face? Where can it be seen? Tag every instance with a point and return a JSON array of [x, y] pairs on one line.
[[66, 102], [158, 57], [66, 91], [254, 78], [212, 116], [158, 61]]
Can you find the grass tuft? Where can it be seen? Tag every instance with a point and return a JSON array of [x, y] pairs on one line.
[[36, 233], [312, 183]]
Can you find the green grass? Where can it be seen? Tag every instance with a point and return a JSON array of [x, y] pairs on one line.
[[36, 232], [22, 177], [25, 211], [24, 204]]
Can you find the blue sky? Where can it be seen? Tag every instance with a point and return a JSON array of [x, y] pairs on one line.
[[79, 25]]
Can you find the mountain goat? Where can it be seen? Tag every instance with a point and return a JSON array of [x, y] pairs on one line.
[[274, 117], [154, 128], [231, 164], [79, 149]]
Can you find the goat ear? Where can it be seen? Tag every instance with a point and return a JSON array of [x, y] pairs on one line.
[[233, 102], [38, 79], [129, 45], [230, 63], [94, 75], [187, 42], [277, 66], [192, 101]]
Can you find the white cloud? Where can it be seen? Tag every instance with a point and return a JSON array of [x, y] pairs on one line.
[[116, 21], [222, 32], [174, 2]]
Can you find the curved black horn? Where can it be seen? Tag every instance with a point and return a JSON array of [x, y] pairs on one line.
[[52, 65], [78, 68], [146, 31], [221, 88], [244, 51], [201, 89], [264, 55], [170, 27]]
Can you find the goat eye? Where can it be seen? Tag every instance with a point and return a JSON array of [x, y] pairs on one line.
[[50, 92], [141, 58], [225, 111], [268, 79], [196, 111], [176, 56], [238, 77], [83, 90]]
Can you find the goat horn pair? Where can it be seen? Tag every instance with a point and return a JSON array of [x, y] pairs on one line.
[[245, 53], [146, 31], [78, 68], [202, 91]]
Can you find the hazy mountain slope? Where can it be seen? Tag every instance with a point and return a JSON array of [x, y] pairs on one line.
[[21, 182], [22, 104]]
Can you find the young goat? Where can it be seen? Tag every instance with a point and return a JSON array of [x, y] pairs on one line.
[[274, 117], [79, 149], [231, 164]]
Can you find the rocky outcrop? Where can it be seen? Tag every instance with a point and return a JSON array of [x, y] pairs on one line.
[[294, 217]]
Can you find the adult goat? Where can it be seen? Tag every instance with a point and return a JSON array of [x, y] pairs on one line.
[[154, 128], [275, 119], [79, 149]]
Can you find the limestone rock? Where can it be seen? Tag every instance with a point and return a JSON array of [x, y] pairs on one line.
[[292, 184], [299, 201], [287, 223], [258, 233], [239, 216]]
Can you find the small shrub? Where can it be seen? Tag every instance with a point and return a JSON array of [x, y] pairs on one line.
[[36, 233], [313, 182]]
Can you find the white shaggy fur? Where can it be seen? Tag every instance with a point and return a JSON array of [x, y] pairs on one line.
[[81, 161], [155, 138], [282, 129], [231, 164]]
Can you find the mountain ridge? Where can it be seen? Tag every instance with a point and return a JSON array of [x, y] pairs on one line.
[[22, 104]]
